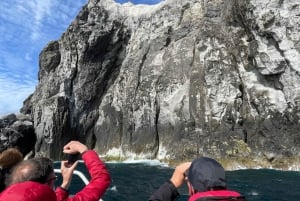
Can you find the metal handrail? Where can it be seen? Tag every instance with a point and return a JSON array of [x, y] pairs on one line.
[[78, 173]]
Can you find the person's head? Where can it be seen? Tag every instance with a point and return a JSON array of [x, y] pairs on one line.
[[8, 159], [28, 191], [47, 175], [205, 174], [36, 169]]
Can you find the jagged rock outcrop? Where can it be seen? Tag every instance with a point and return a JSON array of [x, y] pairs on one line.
[[175, 80], [17, 131]]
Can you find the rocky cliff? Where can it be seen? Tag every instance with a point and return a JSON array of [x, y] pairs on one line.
[[176, 80]]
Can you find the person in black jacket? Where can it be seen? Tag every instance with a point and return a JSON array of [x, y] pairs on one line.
[[205, 178]]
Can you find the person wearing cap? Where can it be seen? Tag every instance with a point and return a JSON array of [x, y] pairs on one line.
[[40, 173], [205, 179]]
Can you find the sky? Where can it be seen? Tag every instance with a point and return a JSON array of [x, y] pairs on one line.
[[26, 27]]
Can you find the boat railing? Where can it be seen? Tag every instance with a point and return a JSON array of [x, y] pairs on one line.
[[78, 173]]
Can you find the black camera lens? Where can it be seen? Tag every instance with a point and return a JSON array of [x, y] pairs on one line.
[[72, 158]]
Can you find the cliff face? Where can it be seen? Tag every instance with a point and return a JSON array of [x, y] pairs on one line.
[[172, 81]]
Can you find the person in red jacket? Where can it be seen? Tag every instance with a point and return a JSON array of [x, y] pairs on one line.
[[40, 170], [205, 178], [28, 191], [100, 178]]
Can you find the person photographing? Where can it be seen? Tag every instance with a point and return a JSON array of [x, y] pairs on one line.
[[205, 178], [39, 172]]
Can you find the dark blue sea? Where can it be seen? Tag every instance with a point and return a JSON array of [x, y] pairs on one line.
[[136, 182]]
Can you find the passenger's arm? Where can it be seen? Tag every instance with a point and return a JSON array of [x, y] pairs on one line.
[[168, 190], [62, 192], [100, 179]]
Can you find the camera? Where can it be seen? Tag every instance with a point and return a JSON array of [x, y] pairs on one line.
[[72, 158]]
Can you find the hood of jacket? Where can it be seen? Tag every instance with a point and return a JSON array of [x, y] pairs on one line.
[[28, 191]]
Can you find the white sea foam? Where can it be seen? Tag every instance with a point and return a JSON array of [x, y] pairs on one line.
[[114, 188], [295, 167], [254, 193], [141, 161]]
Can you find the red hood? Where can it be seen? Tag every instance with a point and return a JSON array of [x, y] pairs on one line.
[[28, 191]]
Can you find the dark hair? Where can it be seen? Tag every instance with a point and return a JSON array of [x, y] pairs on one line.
[[2, 180], [45, 169]]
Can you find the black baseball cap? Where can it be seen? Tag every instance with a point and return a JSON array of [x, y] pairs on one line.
[[206, 173]]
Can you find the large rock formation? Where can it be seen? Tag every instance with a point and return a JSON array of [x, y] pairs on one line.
[[175, 80], [17, 131]]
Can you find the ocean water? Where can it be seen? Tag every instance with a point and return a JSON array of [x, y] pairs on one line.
[[137, 181]]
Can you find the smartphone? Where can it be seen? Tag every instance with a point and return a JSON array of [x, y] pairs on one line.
[[72, 158]]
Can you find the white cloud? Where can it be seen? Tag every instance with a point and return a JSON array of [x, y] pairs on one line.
[[13, 93], [25, 28]]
